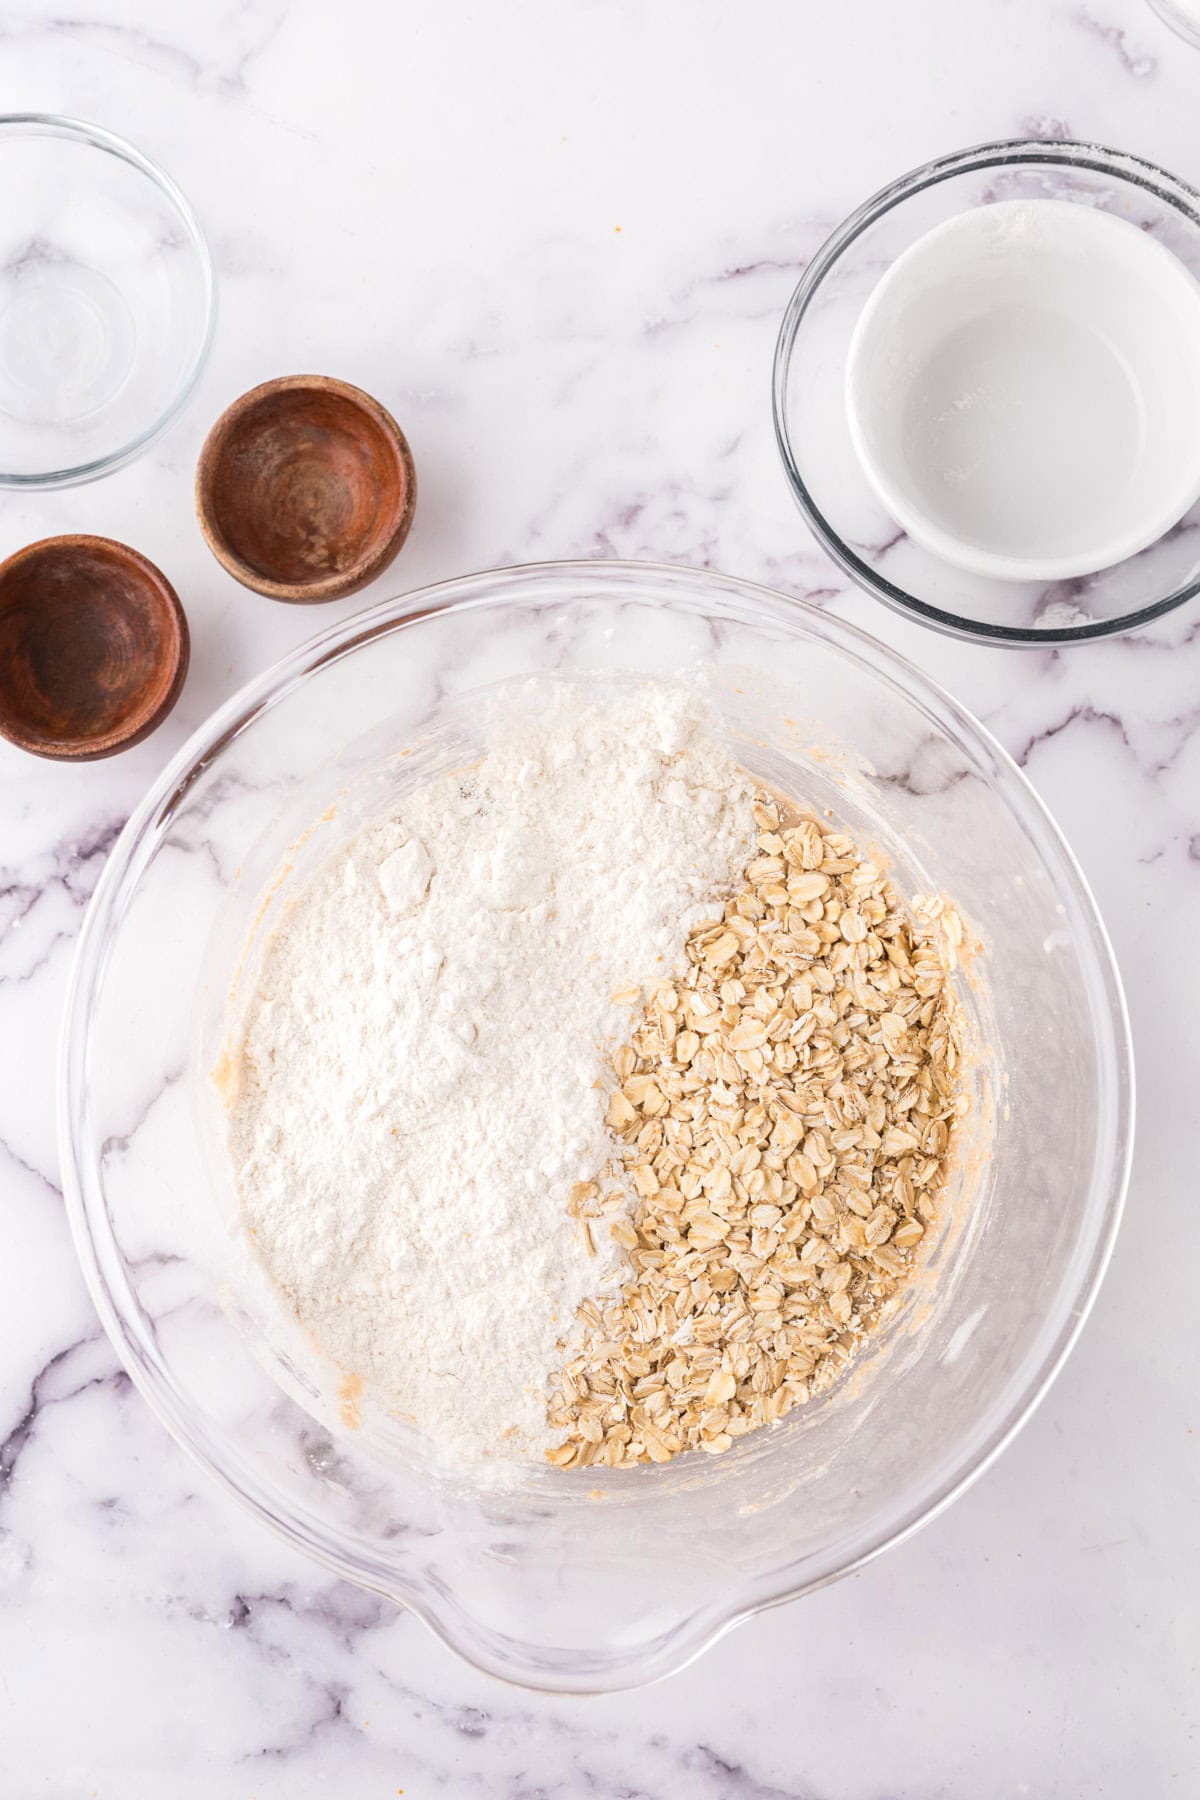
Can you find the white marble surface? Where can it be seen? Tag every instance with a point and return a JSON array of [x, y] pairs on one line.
[[556, 240]]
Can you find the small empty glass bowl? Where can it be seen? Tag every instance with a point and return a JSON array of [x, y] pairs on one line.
[[621, 1577], [830, 485], [106, 301]]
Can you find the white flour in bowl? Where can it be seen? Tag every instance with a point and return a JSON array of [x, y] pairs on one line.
[[421, 1075]]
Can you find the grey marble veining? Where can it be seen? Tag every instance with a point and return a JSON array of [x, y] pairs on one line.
[[557, 242]]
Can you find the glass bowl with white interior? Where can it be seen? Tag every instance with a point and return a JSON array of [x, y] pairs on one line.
[[814, 382], [608, 1581]]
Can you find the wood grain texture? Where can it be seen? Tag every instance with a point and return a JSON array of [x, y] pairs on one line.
[[305, 489], [93, 647]]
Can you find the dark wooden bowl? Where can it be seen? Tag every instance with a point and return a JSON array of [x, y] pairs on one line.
[[93, 647], [305, 488]]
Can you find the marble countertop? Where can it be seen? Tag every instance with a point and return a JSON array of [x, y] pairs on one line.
[[556, 240]]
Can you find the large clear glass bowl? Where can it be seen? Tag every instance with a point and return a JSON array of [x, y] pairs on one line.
[[596, 1584]]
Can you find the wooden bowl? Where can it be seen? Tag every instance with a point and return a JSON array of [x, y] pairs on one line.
[[305, 488], [93, 647]]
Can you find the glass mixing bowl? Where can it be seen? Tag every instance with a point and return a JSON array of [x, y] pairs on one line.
[[106, 301], [812, 428], [556, 1582]]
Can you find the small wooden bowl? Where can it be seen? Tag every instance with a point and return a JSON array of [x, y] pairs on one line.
[[93, 647], [305, 488]]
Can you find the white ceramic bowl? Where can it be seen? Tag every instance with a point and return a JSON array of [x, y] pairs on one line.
[[1021, 389]]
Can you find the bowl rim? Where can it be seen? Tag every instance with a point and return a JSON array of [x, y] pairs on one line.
[[1175, 21], [1001, 153], [63, 125], [520, 1663]]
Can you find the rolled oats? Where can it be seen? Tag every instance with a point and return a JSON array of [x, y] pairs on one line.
[[786, 1111]]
